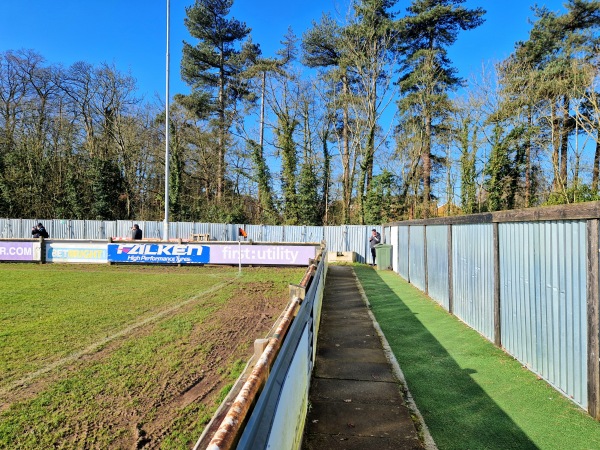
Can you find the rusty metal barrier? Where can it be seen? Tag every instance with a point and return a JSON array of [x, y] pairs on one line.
[[231, 426]]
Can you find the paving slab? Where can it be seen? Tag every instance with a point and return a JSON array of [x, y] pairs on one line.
[[327, 441], [355, 399]]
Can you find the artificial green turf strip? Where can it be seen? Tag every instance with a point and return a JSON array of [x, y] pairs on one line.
[[471, 394]]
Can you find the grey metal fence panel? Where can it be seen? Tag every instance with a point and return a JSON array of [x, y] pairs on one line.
[[313, 234], [232, 231], [95, 229], [10, 228], [336, 238], [294, 233], [417, 256], [393, 232], [402, 251], [473, 276], [76, 229], [184, 230], [60, 229], [154, 230], [108, 228], [350, 238], [303, 234], [437, 264], [265, 233], [543, 295], [124, 227]]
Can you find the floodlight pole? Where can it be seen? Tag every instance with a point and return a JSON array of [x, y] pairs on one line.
[[167, 157]]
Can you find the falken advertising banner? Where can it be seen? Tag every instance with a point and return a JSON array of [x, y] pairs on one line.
[[276, 255], [20, 251], [159, 253], [76, 253]]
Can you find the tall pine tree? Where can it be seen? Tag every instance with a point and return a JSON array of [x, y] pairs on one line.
[[430, 27], [212, 69]]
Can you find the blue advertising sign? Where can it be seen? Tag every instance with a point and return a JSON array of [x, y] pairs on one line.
[[159, 253]]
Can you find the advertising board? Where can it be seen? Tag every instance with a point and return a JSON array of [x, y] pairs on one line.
[[275, 255], [159, 253], [20, 251], [76, 252]]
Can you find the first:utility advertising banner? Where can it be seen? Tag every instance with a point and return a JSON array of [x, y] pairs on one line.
[[159, 253]]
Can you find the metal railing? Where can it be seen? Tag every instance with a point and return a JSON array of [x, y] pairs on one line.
[[279, 380]]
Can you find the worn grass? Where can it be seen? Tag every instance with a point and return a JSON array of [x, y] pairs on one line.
[[50, 312], [471, 394]]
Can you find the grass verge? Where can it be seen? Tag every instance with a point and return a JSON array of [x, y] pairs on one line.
[[471, 394]]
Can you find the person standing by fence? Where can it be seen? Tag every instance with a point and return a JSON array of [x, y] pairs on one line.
[[136, 233], [373, 241], [39, 231]]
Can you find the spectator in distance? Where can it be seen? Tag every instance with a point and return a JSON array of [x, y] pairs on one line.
[[39, 231], [373, 241], [136, 233]]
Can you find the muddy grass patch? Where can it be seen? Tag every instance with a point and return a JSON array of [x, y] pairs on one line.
[[156, 386]]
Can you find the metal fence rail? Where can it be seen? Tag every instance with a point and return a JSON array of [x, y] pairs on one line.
[[277, 420]]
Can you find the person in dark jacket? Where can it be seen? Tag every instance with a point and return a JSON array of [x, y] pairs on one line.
[[39, 231], [136, 233], [373, 241]]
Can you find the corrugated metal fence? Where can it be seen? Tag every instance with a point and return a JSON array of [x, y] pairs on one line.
[[526, 280], [343, 238]]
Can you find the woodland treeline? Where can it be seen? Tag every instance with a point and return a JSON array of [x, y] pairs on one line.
[[362, 119]]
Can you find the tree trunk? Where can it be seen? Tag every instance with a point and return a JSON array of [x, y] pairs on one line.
[[221, 132], [564, 145], [426, 157], [596, 169], [347, 194], [261, 138], [555, 148]]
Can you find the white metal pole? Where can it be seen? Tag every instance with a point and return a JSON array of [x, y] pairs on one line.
[[240, 254], [167, 157]]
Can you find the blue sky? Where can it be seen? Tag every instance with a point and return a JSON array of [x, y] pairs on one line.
[[131, 33]]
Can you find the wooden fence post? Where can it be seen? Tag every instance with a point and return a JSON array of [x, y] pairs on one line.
[[425, 259], [497, 311], [593, 327], [408, 254], [450, 273], [42, 250]]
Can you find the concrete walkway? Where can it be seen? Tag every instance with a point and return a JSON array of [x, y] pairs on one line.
[[354, 400]]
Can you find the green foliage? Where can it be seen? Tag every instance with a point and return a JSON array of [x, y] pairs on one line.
[[285, 141], [106, 187], [430, 27], [268, 215], [468, 191], [504, 168], [576, 193], [213, 68], [309, 212], [378, 203]]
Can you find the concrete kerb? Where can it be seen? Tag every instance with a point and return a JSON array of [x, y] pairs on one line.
[[412, 406]]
